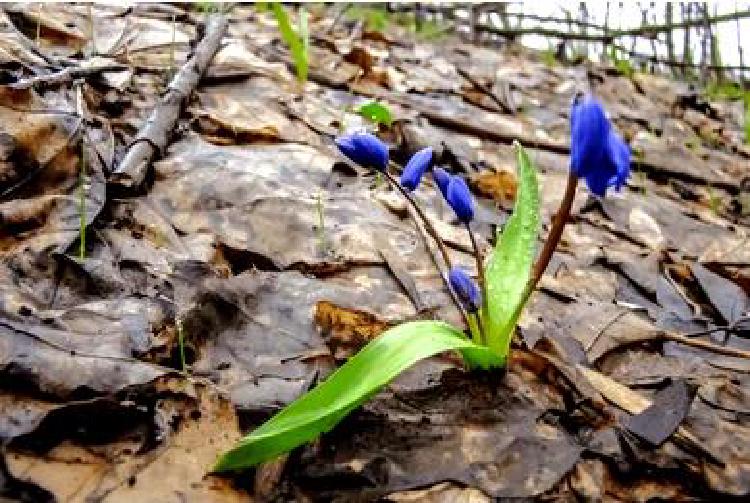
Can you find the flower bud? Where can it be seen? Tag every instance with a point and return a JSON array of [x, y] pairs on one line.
[[364, 149], [415, 168]]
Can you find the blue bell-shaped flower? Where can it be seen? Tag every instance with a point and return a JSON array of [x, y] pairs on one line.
[[459, 198], [466, 289], [597, 153], [415, 168], [364, 149], [442, 179]]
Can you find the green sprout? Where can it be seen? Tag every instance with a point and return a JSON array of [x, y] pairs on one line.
[[548, 56], [375, 17], [181, 345], [298, 41], [714, 201]]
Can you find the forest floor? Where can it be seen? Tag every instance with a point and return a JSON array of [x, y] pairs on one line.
[[252, 241]]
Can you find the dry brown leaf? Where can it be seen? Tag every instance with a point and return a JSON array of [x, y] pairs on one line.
[[174, 471], [498, 185], [346, 329]]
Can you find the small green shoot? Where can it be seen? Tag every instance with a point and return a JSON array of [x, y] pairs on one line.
[[714, 201], [548, 57], [375, 17], [623, 66], [376, 113], [181, 345], [641, 175], [207, 7], [297, 41]]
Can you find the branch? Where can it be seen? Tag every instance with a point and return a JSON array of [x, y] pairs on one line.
[[153, 137], [67, 75]]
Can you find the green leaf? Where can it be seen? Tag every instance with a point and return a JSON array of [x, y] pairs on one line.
[[346, 389], [509, 267], [298, 44], [376, 112]]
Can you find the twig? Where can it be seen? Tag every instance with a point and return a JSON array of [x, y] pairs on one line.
[[153, 136], [708, 346], [66, 76], [486, 90]]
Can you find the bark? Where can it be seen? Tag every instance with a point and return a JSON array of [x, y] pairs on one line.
[[153, 137]]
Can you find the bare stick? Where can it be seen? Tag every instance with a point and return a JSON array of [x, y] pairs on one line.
[[700, 344], [153, 137]]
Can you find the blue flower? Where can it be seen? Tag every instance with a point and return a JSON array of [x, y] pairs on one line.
[[442, 179], [415, 168], [364, 149], [459, 198], [597, 153], [466, 290]]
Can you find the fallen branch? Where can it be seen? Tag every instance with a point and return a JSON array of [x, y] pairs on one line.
[[153, 137]]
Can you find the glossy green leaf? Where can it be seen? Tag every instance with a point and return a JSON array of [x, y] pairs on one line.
[[346, 389], [298, 43], [376, 112], [509, 267]]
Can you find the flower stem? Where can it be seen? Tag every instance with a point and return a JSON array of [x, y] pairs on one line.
[[425, 221], [555, 233], [475, 328], [480, 275], [427, 225]]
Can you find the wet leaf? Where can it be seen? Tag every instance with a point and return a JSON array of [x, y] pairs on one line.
[[727, 297], [123, 470], [661, 419]]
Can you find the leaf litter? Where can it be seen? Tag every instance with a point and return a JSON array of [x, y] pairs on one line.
[[223, 239]]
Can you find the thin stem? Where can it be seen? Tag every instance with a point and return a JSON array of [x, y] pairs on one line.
[[425, 221], [480, 265], [475, 328], [701, 344], [555, 233], [427, 225]]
